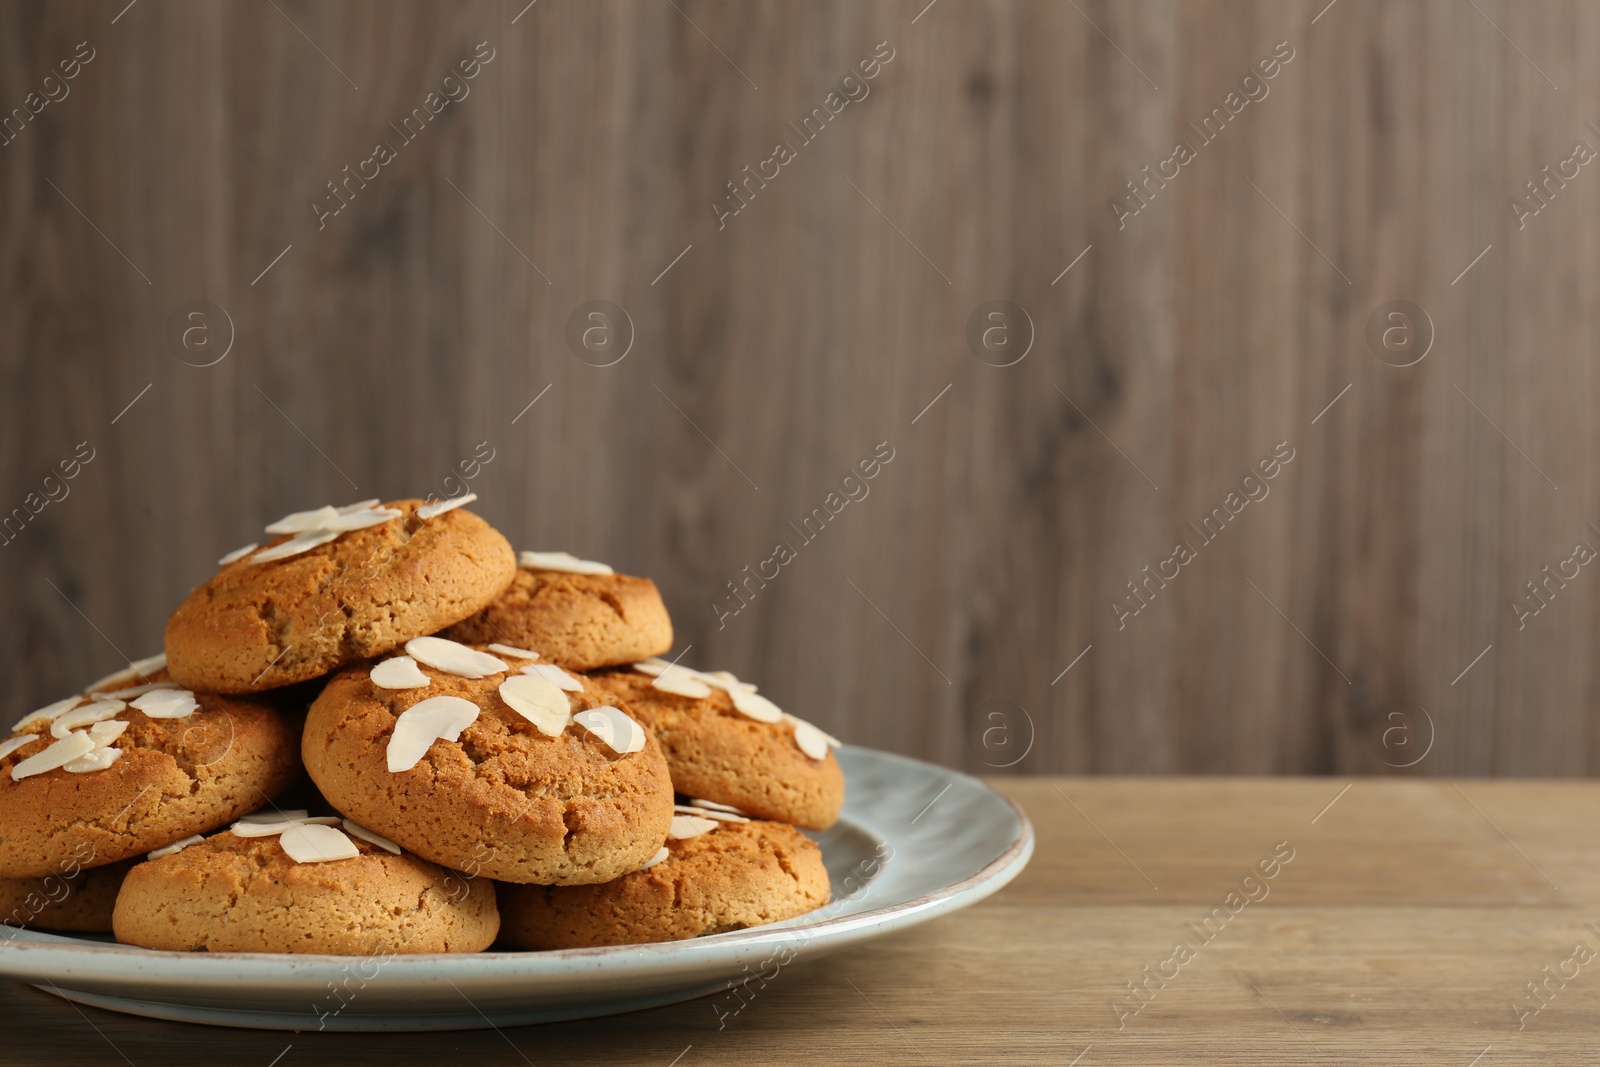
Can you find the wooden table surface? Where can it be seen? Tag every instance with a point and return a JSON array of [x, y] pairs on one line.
[[1401, 923]]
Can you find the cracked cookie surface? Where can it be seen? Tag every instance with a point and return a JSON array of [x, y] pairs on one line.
[[235, 894], [176, 777], [256, 626], [505, 800], [736, 876], [582, 621]]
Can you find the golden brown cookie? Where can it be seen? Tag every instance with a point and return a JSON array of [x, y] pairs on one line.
[[717, 752], [148, 766], [77, 898], [579, 620], [246, 894], [731, 877], [257, 625], [506, 799]]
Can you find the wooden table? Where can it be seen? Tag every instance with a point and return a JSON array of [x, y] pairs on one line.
[[1404, 929]]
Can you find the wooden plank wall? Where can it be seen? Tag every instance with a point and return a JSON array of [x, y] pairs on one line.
[[376, 349]]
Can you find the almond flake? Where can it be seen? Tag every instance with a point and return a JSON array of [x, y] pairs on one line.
[[59, 754], [48, 713], [167, 703], [720, 816], [97, 759], [755, 706], [812, 741], [292, 815], [551, 673], [419, 726], [726, 680], [138, 670], [439, 507], [515, 653], [454, 657], [360, 520], [652, 666], [98, 711], [272, 827], [134, 691], [313, 843], [304, 521], [707, 813], [103, 733], [612, 726], [682, 682], [176, 847], [687, 826], [401, 672], [661, 853], [260, 829], [238, 554], [712, 805], [116, 679], [538, 700], [561, 561], [11, 744], [360, 505], [357, 830], [303, 542], [833, 742]]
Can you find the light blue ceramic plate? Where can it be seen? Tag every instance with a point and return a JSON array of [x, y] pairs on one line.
[[915, 841]]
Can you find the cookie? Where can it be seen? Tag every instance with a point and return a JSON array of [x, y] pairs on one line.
[[78, 899], [553, 786], [93, 781], [343, 584], [229, 893], [752, 759], [728, 876], [582, 619]]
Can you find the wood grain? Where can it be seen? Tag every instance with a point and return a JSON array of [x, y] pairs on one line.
[[1402, 929], [937, 615]]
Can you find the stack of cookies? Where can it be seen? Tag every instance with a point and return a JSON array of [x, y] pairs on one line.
[[383, 731]]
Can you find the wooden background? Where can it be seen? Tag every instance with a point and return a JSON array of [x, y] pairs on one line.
[[1325, 631]]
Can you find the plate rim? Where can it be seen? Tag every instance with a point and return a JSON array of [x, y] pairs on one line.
[[293, 968]]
